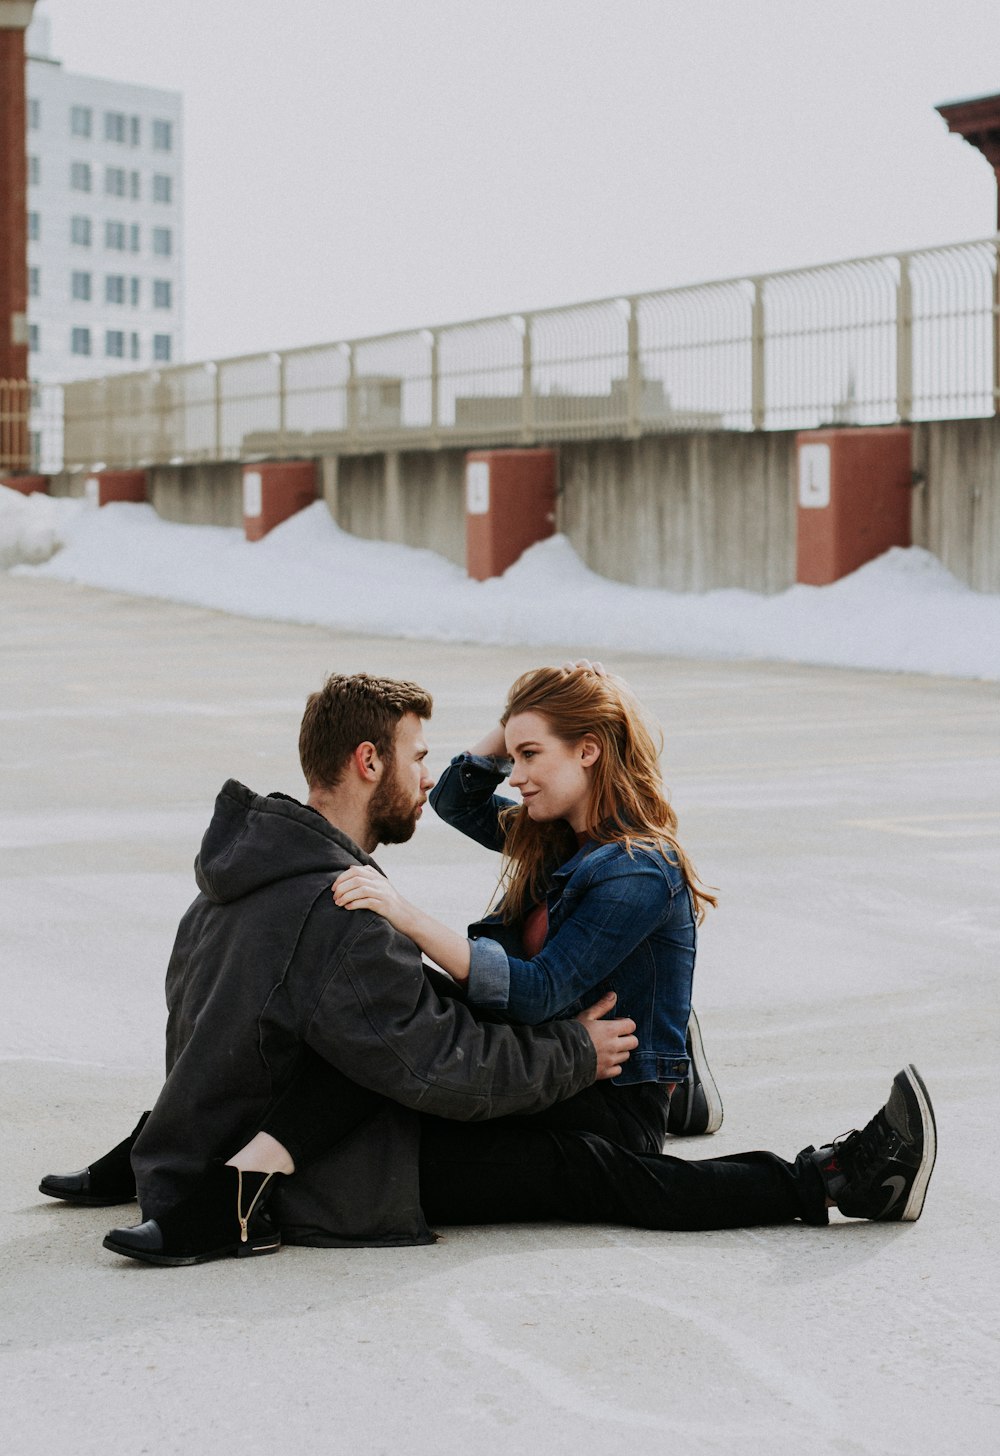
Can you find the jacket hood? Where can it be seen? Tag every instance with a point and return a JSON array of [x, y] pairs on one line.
[[255, 840]]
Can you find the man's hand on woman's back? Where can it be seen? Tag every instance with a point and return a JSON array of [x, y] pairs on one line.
[[613, 1040]]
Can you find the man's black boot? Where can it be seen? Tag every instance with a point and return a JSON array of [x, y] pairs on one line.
[[108, 1180], [222, 1217]]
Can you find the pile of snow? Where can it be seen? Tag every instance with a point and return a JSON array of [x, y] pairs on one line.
[[903, 612], [33, 527]]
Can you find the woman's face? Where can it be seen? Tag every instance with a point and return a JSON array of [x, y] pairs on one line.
[[553, 776]]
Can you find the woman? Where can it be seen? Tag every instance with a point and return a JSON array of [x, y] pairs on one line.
[[598, 895]]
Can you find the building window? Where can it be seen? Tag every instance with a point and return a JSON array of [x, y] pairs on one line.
[[80, 341], [114, 288], [34, 282], [133, 340], [114, 235], [134, 292], [134, 132], [162, 242], [163, 136], [81, 120], [163, 187], [161, 293], [133, 238], [161, 348], [34, 171], [114, 126], [33, 338], [34, 113], [80, 286], [114, 181], [133, 185], [114, 344], [79, 176], [80, 231], [34, 226]]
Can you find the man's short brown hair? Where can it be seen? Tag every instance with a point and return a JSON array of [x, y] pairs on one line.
[[351, 710]]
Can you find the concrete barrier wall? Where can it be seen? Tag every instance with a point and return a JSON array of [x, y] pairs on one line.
[[413, 496], [686, 512], [67, 483], [956, 508], [194, 495], [198, 495]]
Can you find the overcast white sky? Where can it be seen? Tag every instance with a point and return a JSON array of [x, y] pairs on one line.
[[357, 166]]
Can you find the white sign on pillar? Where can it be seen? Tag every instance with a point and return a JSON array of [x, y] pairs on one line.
[[253, 494], [814, 476], [477, 487], [92, 490]]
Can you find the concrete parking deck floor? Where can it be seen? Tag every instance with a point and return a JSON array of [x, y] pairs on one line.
[[852, 823]]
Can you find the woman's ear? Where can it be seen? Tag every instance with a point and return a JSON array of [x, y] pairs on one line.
[[590, 750]]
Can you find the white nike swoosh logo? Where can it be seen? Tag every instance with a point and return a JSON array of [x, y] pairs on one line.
[[897, 1187]]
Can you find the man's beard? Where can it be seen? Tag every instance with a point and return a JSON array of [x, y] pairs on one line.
[[392, 813]]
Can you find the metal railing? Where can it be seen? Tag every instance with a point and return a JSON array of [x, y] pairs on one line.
[[898, 337]]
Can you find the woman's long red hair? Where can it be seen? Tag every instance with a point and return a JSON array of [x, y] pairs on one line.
[[628, 804]]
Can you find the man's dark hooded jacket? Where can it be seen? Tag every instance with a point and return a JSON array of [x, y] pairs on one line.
[[266, 964]]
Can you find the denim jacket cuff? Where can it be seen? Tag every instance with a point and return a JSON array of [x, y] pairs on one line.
[[497, 764], [489, 973]]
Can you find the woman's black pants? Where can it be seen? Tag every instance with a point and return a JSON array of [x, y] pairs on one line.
[[593, 1158], [517, 1171]]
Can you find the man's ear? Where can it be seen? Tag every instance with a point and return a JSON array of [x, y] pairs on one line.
[[590, 750], [367, 762]]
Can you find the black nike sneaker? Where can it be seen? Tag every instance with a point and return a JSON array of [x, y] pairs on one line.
[[696, 1106], [883, 1171]]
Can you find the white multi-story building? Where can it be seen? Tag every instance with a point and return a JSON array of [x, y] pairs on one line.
[[105, 254]]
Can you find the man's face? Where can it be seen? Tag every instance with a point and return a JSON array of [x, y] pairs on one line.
[[399, 796]]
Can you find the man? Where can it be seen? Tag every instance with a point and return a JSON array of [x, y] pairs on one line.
[[262, 967]]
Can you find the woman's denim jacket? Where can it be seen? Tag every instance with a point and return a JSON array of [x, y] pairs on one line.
[[616, 923]]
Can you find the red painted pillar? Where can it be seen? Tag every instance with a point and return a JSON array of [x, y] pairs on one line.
[[273, 491], [105, 487], [26, 484], [14, 18], [510, 504], [855, 496]]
